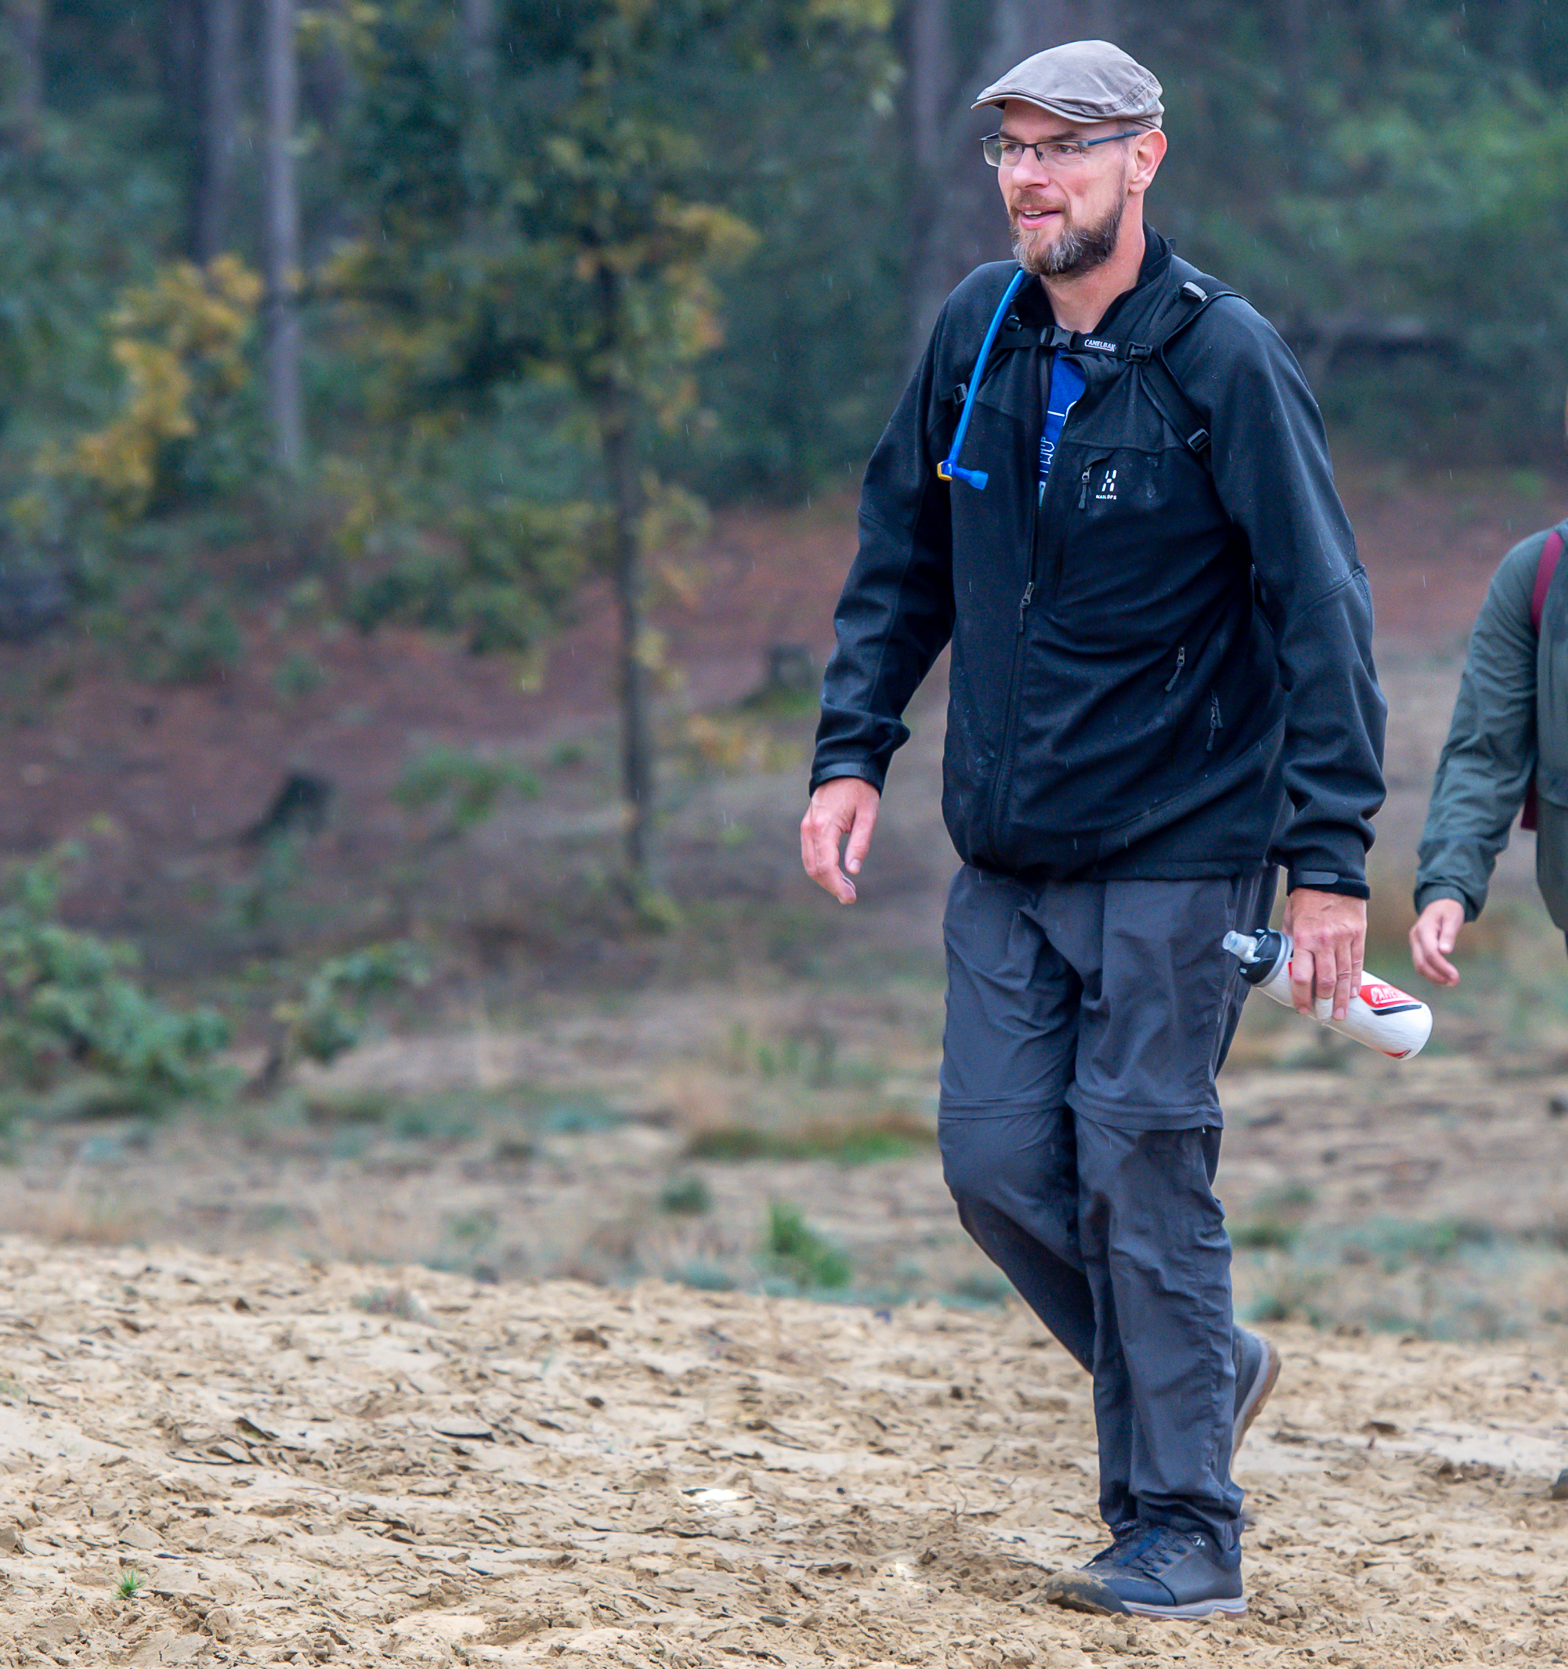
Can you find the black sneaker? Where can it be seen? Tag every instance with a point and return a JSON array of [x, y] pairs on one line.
[[1162, 1572], [1121, 1534], [1257, 1370]]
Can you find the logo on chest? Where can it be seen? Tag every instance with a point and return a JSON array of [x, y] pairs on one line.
[[1105, 493]]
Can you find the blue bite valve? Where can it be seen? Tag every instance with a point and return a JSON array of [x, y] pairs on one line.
[[976, 478]]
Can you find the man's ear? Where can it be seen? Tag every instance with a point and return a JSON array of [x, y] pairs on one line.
[[1147, 154]]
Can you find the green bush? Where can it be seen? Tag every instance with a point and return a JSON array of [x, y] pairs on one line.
[[192, 649], [800, 1253], [459, 789], [327, 1019], [68, 1005]]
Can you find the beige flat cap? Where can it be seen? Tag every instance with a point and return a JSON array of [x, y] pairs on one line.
[[1085, 81]]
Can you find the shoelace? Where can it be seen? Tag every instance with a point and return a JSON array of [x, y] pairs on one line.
[[1157, 1548], [1122, 1534]]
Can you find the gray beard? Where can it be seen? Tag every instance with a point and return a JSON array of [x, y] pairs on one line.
[[1073, 252]]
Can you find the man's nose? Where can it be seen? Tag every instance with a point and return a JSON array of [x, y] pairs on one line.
[[1029, 170]]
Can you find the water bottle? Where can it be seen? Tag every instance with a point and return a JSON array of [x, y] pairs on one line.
[[1381, 1016]]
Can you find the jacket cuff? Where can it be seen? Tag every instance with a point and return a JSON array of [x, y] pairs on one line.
[[1430, 891], [1327, 880], [862, 768]]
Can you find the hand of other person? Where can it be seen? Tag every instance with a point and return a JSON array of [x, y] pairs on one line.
[[841, 806], [1433, 938], [1329, 939]]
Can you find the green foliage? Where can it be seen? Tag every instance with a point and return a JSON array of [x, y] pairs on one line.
[[562, 223], [686, 1196], [298, 675], [502, 574], [328, 1017], [801, 1254], [130, 1584], [1423, 184], [193, 647], [68, 1006], [458, 790]]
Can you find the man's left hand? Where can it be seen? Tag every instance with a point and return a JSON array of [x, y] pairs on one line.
[[1329, 939]]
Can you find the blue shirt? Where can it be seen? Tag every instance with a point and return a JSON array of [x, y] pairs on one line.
[[1067, 383]]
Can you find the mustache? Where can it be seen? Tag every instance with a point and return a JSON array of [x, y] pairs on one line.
[[1023, 201]]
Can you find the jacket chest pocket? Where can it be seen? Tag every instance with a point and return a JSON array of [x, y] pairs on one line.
[[1119, 482]]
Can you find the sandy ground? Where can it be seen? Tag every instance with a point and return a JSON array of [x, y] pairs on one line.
[[1426, 1196], [305, 1459], [300, 1466]]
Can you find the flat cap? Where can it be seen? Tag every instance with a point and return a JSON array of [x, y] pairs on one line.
[[1085, 81]]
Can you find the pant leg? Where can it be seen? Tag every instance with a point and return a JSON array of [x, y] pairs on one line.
[[1006, 1134], [1158, 1263], [1160, 1001]]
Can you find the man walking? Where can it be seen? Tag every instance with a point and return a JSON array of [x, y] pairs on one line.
[[1107, 487]]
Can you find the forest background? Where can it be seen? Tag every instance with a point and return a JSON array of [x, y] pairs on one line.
[[428, 434]]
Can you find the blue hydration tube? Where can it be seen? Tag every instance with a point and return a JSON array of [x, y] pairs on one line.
[[950, 469]]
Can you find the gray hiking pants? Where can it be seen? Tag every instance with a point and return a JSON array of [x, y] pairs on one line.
[[1080, 1132]]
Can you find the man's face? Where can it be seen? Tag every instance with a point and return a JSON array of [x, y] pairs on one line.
[[1065, 218]]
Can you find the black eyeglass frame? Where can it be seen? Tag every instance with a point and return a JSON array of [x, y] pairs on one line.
[[1038, 145]]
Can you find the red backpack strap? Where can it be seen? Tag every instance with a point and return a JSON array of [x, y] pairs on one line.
[[1545, 570]]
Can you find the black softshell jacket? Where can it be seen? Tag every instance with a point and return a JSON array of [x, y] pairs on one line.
[[1163, 669]]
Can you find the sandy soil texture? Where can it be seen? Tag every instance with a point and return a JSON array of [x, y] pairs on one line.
[[300, 1466]]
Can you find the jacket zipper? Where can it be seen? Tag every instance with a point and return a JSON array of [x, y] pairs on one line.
[[1216, 723], [1004, 755], [1181, 661]]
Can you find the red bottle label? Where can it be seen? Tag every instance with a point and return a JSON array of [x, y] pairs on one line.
[[1387, 999]]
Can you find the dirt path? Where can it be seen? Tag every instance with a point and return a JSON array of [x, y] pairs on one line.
[[302, 1467]]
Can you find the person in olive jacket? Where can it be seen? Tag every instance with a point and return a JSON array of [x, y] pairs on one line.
[[1107, 489], [1507, 749]]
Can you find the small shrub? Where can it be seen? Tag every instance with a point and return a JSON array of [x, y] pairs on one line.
[[188, 649], [800, 1253], [984, 1289], [393, 1301], [298, 675], [328, 1018], [1263, 1234], [704, 1277], [459, 790], [130, 1584], [576, 1118], [67, 1004], [686, 1196]]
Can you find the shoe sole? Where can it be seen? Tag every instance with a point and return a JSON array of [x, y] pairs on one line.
[[1199, 1608], [1076, 1591], [1257, 1396]]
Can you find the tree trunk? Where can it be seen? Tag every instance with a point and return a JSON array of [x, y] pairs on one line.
[[478, 37], [930, 81], [1516, 32], [280, 234], [25, 29], [971, 218], [220, 121], [478, 29], [1294, 25], [617, 427]]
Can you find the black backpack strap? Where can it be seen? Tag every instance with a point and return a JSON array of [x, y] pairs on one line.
[[1173, 402]]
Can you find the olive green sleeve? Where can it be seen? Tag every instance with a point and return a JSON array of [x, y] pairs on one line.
[[1489, 757]]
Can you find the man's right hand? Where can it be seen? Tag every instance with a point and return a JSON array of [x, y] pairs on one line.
[[841, 806], [1433, 937]]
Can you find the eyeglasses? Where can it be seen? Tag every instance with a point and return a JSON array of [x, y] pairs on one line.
[[1049, 153]]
